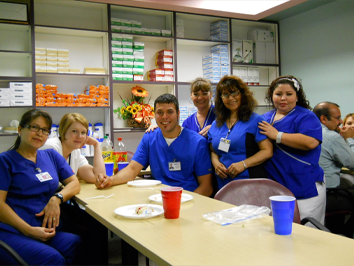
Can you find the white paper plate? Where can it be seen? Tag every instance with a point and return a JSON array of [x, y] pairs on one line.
[[144, 183], [158, 197], [129, 211]]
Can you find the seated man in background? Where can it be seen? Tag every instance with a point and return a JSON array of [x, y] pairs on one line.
[[177, 156], [335, 154]]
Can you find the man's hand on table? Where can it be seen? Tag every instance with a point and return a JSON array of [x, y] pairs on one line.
[[103, 181]]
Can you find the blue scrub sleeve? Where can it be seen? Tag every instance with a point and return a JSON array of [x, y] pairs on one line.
[[258, 136], [5, 177], [310, 126], [203, 161], [142, 152]]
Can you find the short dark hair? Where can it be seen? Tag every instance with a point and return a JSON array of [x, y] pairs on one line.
[[248, 102], [323, 109], [167, 98], [301, 96], [27, 118]]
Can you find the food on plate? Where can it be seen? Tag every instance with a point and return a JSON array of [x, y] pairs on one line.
[[144, 210]]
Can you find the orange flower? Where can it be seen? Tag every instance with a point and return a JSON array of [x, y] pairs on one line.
[[139, 91]]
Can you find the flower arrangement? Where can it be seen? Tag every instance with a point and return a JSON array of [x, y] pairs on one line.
[[136, 111]]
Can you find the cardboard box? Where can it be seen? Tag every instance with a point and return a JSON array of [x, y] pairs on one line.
[[237, 51], [264, 53], [138, 78], [5, 91], [20, 102], [20, 85], [165, 52], [260, 36], [5, 97], [21, 96], [23, 90], [4, 102]]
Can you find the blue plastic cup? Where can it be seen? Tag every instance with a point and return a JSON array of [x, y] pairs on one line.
[[122, 165], [109, 168], [283, 214]]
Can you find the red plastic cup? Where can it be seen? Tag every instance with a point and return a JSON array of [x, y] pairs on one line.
[[171, 199]]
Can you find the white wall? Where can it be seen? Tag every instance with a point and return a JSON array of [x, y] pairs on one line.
[[318, 47]]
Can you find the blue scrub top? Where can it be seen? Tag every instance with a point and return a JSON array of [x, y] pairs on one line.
[[298, 170], [26, 195], [189, 148], [244, 137], [192, 121]]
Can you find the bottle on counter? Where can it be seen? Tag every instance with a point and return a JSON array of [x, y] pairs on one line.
[[107, 149], [119, 154]]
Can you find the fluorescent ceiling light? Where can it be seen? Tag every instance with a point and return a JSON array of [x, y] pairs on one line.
[[249, 7]]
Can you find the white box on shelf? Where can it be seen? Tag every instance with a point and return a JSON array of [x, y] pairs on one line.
[[21, 96], [270, 53], [20, 85], [4, 102], [19, 90], [247, 51], [250, 80], [5, 91], [260, 36], [5, 97], [20, 102], [264, 53]]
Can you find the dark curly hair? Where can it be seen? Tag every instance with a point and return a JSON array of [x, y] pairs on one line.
[[229, 84], [288, 79]]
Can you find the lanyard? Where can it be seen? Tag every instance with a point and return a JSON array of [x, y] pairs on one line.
[[228, 133], [69, 158], [206, 120]]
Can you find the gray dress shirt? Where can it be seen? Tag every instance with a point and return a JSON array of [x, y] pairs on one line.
[[335, 153]]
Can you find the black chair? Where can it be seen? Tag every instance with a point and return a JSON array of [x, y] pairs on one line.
[[256, 191], [340, 221], [12, 253]]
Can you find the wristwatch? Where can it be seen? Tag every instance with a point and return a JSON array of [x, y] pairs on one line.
[[60, 196]]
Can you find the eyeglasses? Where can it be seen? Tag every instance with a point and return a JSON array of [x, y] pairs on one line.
[[37, 128], [227, 95], [336, 117]]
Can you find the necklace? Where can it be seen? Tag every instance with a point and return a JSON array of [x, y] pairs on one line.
[[233, 123]]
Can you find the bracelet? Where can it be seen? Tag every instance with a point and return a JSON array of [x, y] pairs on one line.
[[278, 139], [244, 164]]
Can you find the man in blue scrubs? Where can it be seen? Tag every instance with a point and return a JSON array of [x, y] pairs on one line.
[[177, 156]]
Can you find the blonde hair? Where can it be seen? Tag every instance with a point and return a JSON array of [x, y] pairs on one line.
[[346, 118], [67, 120], [200, 84]]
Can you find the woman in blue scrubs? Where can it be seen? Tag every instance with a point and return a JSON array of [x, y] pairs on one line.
[[29, 204], [200, 122], [296, 134], [238, 150], [201, 94]]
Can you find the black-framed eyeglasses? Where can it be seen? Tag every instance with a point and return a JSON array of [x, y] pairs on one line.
[[37, 128], [336, 117], [233, 94]]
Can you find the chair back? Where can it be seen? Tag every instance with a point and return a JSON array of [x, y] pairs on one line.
[[254, 191]]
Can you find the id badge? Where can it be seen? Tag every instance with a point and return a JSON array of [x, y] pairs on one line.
[[44, 177], [174, 166], [224, 145]]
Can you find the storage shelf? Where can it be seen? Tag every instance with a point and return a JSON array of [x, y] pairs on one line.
[[72, 107], [126, 129], [146, 37], [254, 64], [69, 31], [143, 82], [44, 74], [8, 134], [10, 78], [15, 52], [198, 42]]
